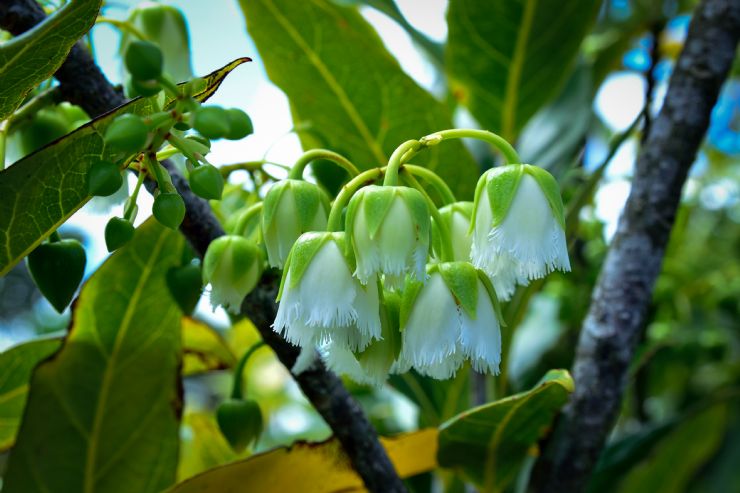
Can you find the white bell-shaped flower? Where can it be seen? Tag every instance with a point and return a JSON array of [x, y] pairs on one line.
[[232, 265], [456, 217], [320, 300], [291, 208], [518, 227], [388, 228], [451, 318]]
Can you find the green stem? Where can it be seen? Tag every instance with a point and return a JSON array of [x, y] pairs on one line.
[[403, 152], [296, 173], [156, 170], [36, 103], [251, 211], [433, 179], [169, 86], [236, 389], [122, 26], [227, 169], [167, 153], [495, 140], [364, 178], [185, 149], [131, 203], [444, 232], [54, 237]]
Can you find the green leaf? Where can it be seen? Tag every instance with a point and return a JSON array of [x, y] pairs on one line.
[[17, 363], [103, 414], [32, 57], [679, 456], [508, 58], [203, 348], [488, 443], [44, 189], [312, 467], [342, 82]]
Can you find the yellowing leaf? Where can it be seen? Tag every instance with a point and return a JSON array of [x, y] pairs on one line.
[[312, 467], [203, 348]]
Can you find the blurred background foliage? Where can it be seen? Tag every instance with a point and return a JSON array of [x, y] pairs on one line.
[[590, 71]]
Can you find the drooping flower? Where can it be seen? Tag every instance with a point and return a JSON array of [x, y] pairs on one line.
[[452, 318], [291, 208], [518, 226], [232, 265], [388, 229], [456, 217], [320, 300]]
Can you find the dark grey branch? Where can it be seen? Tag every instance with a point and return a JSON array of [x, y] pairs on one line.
[[624, 289], [82, 83]]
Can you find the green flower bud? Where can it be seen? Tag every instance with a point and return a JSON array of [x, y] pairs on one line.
[[205, 142], [232, 265], [212, 122], [240, 125], [127, 133], [388, 228], [291, 208], [57, 269], [206, 181], [103, 179], [118, 232], [46, 126], [185, 286], [240, 421], [144, 60], [169, 209]]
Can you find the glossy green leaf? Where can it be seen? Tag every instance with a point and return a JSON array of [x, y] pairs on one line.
[[44, 189], [17, 363], [103, 414], [507, 58], [35, 55], [680, 455], [347, 89], [488, 443]]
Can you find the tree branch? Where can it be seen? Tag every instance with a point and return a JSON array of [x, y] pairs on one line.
[[624, 289], [82, 83]]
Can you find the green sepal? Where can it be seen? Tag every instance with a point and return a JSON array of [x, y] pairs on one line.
[[286, 269], [502, 184], [308, 198], [550, 188], [391, 320], [462, 280], [57, 269], [492, 294], [420, 213], [272, 201], [377, 201], [410, 293], [303, 252], [197, 144]]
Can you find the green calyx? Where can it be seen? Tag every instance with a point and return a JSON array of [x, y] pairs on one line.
[[185, 286], [410, 292], [169, 209], [462, 280], [144, 60], [103, 179], [57, 269], [307, 197], [127, 133], [240, 421], [118, 232], [206, 182], [550, 188]]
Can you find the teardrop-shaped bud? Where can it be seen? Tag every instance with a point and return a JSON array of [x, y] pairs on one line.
[[57, 269], [103, 179], [118, 232], [169, 209], [240, 421], [206, 182]]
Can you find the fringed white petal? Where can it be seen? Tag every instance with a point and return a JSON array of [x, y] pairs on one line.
[[305, 361], [433, 327], [342, 361], [480, 338], [445, 369]]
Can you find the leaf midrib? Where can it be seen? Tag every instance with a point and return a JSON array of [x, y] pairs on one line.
[[91, 455], [330, 81], [508, 116]]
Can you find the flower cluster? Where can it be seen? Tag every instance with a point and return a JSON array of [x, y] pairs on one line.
[[383, 280]]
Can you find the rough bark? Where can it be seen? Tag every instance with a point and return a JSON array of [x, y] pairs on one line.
[[624, 289], [82, 82]]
